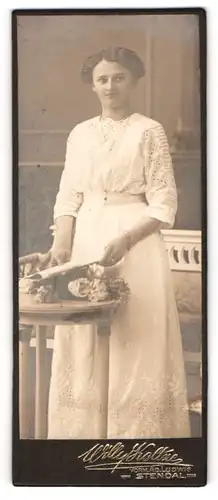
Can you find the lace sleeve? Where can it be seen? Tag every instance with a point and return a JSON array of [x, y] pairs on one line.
[[160, 188], [70, 196]]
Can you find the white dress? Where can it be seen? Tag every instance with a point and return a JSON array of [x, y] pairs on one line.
[[147, 387]]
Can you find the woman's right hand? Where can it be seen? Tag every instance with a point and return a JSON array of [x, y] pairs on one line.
[[59, 255]]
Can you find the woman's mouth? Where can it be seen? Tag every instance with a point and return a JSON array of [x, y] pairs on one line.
[[111, 94]]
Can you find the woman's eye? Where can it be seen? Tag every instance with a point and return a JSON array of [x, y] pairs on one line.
[[102, 80], [119, 78]]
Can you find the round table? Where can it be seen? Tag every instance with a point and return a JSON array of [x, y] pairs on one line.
[[39, 316]]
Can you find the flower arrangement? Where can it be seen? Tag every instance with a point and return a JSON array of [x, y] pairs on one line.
[[40, 293], [100, 289], [94, 286]]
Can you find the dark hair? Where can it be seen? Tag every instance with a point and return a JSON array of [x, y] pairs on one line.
[[125, 57]]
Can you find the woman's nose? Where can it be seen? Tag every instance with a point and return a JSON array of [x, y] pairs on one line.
[[110, 84]]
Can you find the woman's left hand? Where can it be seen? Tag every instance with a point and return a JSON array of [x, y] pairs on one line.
[[114, 251]]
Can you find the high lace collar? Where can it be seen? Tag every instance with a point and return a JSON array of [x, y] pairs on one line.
[[112, 122]]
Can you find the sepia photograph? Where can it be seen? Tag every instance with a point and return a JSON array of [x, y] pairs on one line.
[[110, 226]]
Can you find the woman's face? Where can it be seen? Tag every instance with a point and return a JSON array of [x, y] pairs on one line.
[[113, 84]]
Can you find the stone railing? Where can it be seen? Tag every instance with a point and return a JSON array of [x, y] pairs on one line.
[[184, 249]]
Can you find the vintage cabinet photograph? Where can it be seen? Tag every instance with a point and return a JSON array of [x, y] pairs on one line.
[[109, 181]]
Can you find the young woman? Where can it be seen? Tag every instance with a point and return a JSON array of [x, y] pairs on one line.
[[117, 192]]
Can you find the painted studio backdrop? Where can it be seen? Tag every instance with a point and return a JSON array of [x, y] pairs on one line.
[[52, 100]]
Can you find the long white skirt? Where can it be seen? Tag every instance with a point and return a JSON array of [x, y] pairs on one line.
[[147, 387]]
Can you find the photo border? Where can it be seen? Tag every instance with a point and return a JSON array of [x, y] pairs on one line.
[[31, 457]]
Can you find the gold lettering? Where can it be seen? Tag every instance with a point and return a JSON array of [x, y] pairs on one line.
[[139, 454], [166, 457], [115, 449], [152, 475], [168, 475], [175, 458], [106, 451], [160, 475], [157, 453], [181, 476], [90, 457]]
